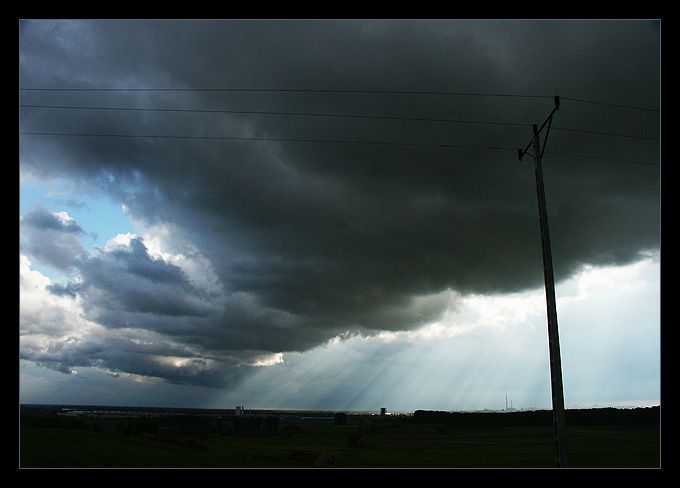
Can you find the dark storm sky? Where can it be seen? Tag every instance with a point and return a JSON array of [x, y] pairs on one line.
[[315, 225]]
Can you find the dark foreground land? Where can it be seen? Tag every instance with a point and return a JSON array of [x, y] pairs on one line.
[[52, 437]]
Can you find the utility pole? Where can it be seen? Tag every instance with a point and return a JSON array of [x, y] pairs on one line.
[[553, 336]]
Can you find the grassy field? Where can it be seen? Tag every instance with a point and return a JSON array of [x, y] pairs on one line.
[[317, 444]]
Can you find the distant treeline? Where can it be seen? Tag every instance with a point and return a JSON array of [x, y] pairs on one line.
[[586, 416]]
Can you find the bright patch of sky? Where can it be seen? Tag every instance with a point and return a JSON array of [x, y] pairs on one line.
[[101, 218], [609, 321]]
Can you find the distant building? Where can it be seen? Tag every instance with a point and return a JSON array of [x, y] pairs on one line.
[[508, 409]]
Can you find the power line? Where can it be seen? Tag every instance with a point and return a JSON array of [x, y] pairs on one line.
[[265, 139], [610, 104], [321, 141], [317, 114], [265, 112], [333, 90], [310, 114], [289, 90]]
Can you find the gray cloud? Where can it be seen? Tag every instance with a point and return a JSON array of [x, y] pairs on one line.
[[51, 239], [42, 220], [311, 239], [130, 280]]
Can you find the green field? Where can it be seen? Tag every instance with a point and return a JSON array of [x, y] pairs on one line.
[[398, 443]]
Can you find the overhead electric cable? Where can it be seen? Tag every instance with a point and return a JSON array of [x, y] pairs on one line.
[[318, 114], [288, 90], [320, 141], [330, 90], [610, 104], [265, 139]]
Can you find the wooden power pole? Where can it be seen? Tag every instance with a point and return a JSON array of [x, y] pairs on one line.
[[559, 423]]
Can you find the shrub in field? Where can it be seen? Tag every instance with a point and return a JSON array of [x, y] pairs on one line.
[[326, 459], [357, 440]]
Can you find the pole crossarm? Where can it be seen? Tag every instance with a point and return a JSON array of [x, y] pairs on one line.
[[548, 120]]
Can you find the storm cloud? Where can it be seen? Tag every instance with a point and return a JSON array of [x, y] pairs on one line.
[[321, 178]]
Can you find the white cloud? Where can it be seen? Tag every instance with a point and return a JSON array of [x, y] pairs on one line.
[[50, 325], [119, 241]]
